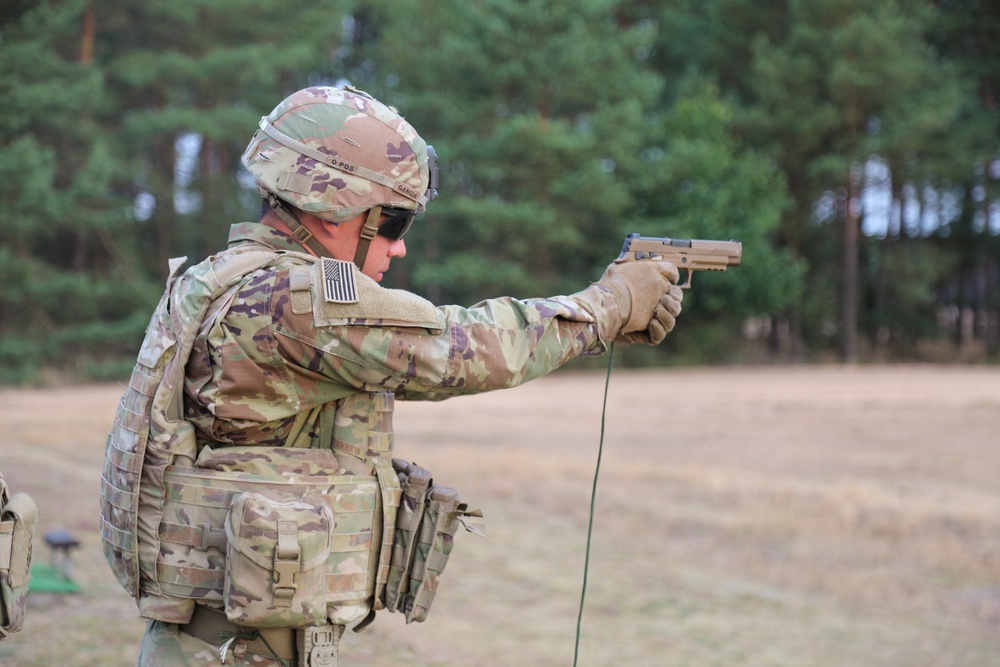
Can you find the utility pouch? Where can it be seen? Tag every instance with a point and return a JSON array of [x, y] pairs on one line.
[[18, 516], [275, 560], [429, 516]]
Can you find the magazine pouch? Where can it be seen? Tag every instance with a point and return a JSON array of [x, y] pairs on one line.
[[429, 515], [433, 547]]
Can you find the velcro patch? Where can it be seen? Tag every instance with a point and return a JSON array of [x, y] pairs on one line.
[[339, 282], [295, 182]]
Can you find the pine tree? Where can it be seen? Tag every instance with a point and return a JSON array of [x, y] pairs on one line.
[[839, 82], [70, 289], [969, 34]]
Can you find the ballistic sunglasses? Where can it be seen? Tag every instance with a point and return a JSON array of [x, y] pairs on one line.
[[399, 222]]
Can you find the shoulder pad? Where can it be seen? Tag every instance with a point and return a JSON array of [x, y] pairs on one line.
[[353, 298]]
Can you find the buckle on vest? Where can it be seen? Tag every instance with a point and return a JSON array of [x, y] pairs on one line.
[[287, 559], [211, 537]]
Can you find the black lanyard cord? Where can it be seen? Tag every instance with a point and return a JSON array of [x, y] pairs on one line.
[[593, 499]]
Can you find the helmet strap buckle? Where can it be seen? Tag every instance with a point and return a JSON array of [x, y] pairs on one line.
[[368, 233], [302, 235], [299, 231]]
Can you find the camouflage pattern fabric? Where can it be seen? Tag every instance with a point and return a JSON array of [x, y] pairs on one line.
[[426, 523], [149, 433], [343, 129], [277, 548], [434, 545], [195, 499], [163, 645], [414, 482]]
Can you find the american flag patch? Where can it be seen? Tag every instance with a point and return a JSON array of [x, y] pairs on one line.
[[339, 283]]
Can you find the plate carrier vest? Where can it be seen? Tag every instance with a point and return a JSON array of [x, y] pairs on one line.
[[163, 520]]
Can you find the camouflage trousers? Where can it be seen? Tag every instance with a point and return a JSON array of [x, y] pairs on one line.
[[164, 645]]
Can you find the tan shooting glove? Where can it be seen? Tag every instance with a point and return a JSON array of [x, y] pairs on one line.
[[648, 298]]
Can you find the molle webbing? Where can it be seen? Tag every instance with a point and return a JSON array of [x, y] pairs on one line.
[[363, 441], [150, 413], [190, 570], [191, 561], [362, 430]]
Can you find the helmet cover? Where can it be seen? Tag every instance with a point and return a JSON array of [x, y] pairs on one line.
[[336, 153]]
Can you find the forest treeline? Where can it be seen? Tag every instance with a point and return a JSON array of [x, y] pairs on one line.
[[853, 147]]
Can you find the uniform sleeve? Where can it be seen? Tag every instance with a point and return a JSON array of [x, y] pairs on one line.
[[408, 346]]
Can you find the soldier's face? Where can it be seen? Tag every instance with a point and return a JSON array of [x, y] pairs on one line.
[[380, 253]]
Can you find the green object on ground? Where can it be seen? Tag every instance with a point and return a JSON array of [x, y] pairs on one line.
[[47, 579]]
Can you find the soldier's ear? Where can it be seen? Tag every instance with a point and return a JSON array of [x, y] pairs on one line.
[[348, 228], [334, 228]]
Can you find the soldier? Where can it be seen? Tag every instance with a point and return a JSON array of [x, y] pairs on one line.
[[250, 503]]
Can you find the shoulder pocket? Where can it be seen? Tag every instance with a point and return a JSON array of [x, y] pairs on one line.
[[374, 305]]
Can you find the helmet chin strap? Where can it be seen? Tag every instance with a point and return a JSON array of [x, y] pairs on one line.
[[306, 238], [299, 231], [368, 232]]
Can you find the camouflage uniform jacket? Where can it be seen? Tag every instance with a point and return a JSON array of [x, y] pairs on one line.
[[272, 357]]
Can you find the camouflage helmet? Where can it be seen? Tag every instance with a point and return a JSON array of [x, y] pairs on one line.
[[336, 153]]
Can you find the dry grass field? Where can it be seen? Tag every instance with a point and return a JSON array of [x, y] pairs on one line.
[[763, 517]]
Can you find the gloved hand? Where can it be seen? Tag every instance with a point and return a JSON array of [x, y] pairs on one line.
[[648, 298]]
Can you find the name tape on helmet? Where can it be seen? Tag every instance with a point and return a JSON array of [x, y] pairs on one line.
[[340, 164]]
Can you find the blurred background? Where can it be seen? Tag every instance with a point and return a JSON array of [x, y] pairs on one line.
[[758, 512], [851, 146]]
